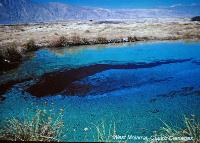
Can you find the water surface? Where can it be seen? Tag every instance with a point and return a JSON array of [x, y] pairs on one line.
[[134, 86]]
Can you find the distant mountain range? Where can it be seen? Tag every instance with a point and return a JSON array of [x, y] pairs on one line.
[[25, 11]]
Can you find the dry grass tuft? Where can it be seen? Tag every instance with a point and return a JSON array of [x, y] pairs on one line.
[[39, 126], [105, 133], [60, 42], [76, 40]]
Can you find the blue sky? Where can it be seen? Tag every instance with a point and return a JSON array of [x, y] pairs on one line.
[[125, 3]]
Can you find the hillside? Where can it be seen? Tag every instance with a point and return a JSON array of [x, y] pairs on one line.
[[25, 11]]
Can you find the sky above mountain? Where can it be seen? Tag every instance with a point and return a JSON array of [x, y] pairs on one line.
[[126, 3]]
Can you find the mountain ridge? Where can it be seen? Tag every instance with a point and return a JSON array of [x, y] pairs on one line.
[[25, 11]]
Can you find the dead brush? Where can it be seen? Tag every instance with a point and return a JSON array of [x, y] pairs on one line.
[[11, 53], [85, 41], [40, 126], [76, 40], [10, 56], [60, 42], [132, 39], [101, 40], [31, 46]]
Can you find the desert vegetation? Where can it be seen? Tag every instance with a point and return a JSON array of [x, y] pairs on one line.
[[60, 42], [38, 126], [41, 125], [10, 56], [30, 45], [33, 36], [105, 132], [101, 40], [72, 33]]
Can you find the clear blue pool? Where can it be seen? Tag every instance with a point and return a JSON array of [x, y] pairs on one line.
[[135, 99]]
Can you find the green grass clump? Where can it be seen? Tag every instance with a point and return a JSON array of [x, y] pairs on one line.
[[191, 129], [40, 126]]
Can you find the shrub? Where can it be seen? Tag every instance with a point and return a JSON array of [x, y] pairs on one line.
[[61, 42], [11, 53], [132, 39], [76, 40], [87, 31], [31, 46], [196, 18], [37, 127], [10, 56], [85, 41], [101, 40]]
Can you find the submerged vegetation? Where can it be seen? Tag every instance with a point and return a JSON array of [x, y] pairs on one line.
[[40, 126]]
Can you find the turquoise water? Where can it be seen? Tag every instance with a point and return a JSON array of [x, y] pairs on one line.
[[136, 100]]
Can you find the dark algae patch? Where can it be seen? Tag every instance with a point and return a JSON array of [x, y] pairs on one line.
[[184, 91], [2, 98], [6, 86], [59, 81]]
